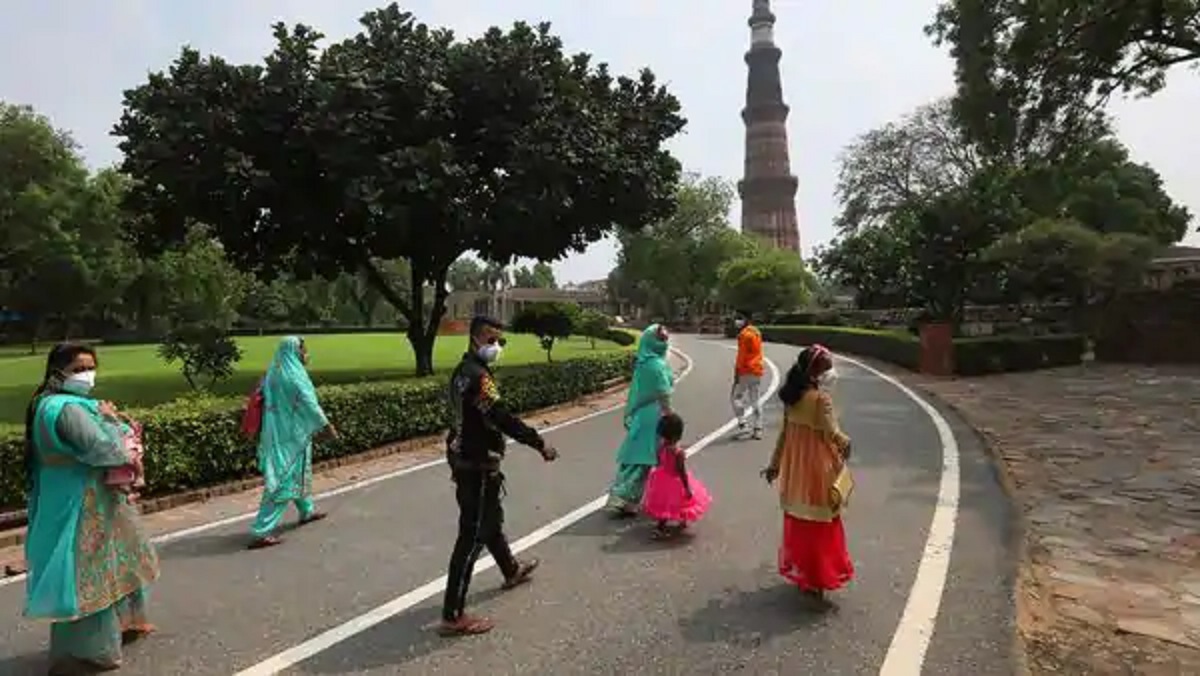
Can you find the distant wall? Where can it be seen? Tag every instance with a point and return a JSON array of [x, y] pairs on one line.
[[1151, 327]]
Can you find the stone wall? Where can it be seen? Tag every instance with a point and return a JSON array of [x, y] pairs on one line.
[[1151, 327]]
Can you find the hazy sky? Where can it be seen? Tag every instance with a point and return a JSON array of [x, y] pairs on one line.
[[848, 66]]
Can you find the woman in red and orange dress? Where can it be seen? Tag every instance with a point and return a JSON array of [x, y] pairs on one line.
[[809, 464]]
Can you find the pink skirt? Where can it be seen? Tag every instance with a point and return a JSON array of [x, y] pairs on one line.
[[666, 500]]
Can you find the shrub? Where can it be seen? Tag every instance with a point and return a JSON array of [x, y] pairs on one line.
[[207, 354], [593, 325], [1008, 354], [896, 347], [972, 356], [547, 321], [621, 337], [196, 442]]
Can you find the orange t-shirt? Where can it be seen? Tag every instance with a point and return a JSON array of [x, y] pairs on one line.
[[750, 353]]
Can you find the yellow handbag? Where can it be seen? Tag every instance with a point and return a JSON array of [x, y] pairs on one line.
[[839, 492]]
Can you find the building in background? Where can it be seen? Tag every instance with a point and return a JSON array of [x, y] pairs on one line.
[[768, 187], [1175, 265], [505, 304]]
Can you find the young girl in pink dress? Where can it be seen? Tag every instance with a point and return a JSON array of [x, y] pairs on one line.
[[674, 496]]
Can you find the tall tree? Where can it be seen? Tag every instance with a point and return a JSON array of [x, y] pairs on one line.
[[538, 276], [1032, 72], [673, 266], [401, 142], [466, 274], [920, 156], [768, 280]]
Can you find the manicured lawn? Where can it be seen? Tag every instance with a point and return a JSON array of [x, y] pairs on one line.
[[133, 375]]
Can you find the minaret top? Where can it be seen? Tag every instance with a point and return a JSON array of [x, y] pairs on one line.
[[762, 25]]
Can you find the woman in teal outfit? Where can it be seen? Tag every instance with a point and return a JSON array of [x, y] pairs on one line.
[[649, 399], [89, 563], [291, 416]]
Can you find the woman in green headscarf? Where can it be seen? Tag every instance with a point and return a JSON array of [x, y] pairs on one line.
[[649, 399], [291, 417]]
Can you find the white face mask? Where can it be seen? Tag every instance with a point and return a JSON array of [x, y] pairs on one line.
[[80, 383], [490, 353], [828, 378], [740, 323]]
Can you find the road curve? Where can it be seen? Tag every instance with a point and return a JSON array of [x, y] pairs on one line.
[[607, 600]]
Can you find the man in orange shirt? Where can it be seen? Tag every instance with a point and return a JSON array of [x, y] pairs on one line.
[[747, 377]]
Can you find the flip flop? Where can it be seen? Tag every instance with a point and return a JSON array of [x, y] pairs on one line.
[[524, 574], [315, 516], [137, 632], [263, 543], [466, 626]]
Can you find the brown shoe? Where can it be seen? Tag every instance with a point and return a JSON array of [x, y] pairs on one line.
[[466, 625], [524, 574]]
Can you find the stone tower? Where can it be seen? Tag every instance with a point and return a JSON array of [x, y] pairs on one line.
[[767, 188]]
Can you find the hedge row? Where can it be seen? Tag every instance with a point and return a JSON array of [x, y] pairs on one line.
[[196, 443], [972, 356], [895, 347]]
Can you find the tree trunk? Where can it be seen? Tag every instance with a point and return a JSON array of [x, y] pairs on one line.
[[422, 331]]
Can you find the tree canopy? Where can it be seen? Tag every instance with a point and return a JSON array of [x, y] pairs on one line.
[[673, 266], [400, 142], [766, 280], [922, 237], [1037, 73]]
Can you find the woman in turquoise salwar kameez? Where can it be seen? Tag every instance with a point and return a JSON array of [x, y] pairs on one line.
[[291, 416], [89, 563], [649, 399]]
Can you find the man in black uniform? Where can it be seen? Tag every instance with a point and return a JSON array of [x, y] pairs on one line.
[[474, 449]]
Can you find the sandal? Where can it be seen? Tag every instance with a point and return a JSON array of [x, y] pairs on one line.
[[263, 543], [662, 534], [137, 632], [524, 574], [315, 516], [466, 626]]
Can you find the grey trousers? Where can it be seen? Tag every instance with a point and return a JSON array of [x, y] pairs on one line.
[[747, 390]]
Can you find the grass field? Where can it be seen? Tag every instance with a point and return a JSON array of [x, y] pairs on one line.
[[134, 376]]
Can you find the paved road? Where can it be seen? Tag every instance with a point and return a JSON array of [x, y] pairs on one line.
[[607, 600]]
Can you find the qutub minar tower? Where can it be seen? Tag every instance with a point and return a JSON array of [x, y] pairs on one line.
[[767, 188]]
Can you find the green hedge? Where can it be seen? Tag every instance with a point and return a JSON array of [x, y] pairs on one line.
[[1009, 354], [621, 337], [972, 356], [196, 443], [895, 347]]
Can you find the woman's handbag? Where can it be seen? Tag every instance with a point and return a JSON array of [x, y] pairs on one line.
[[839, 492]]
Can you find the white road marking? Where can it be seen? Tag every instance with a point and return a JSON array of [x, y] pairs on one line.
[[357, 625], [688, 363], [906, 654]]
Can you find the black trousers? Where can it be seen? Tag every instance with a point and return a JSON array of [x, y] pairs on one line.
[[480, 525]]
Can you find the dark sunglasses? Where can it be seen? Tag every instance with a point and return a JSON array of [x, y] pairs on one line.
[[497, 340]]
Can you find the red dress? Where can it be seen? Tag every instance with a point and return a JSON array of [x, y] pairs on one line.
[[813, 555]]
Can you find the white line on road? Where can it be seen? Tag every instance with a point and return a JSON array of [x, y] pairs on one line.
[[688, 363], [906, 654], [357, 625]]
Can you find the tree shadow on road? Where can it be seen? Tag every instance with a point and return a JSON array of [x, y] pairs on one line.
[[749, 619], [404, 638]]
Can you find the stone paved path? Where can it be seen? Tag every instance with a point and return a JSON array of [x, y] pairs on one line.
[[1105, 463]]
